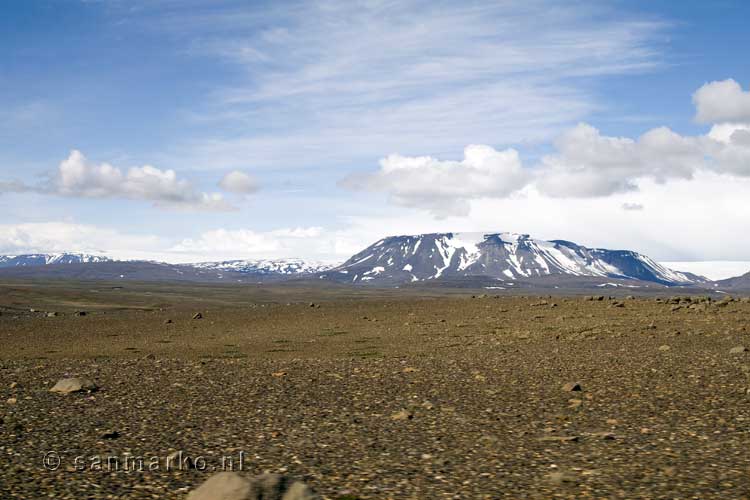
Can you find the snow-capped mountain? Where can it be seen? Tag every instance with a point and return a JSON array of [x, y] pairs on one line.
[[42, 259], [265, 267], [502, 256]]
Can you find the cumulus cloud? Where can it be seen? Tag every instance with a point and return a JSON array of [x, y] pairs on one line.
[[217, 244], [584, 164], [227, 244], [78, 177], [58, 237], [444, 187], [722, 101], [589, 164], [239, 183]]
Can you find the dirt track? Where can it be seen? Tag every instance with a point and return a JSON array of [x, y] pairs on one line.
[[380, 397]]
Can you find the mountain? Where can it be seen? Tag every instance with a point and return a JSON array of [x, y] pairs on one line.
[[740, 283], [90, 267], [265, 267], [500, 256], [44, 259]]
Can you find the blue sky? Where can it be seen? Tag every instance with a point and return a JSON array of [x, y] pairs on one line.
[[347, 121]]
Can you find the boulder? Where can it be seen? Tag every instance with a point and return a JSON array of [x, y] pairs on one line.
[[69, 385], [235, 486]]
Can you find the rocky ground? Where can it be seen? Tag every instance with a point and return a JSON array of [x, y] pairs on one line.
[[378, 397]]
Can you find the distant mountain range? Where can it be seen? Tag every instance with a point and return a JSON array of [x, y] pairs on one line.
[[265, 267], [501, 256], [486, 260], [41, 259]]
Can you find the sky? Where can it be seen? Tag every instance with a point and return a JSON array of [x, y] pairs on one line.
[[190, 130]]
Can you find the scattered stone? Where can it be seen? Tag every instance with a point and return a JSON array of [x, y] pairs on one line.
[[11, 401], [70, 385], [606, 436], [664, 348], [167, 321], [80, 314], [559, 477], [402, 415], [279, 374], [198, 315], [110, 435], [560, 439], [409, 369], [51, 314], [738, 350], [235, 486], [572, 387]]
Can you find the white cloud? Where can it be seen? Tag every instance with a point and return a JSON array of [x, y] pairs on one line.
[[239, 182], [444, 187], [77, 177], [225, 244], [58, 237], [722, 101], [589, 164], [341, 82], [585, 163], [218, 244], [682, 220]]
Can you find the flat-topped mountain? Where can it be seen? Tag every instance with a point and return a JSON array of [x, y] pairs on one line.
[[501, 256]]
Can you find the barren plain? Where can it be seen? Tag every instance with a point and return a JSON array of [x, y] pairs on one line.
[[373, 395]]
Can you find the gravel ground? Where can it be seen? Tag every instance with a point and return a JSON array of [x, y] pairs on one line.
[[383, 398]]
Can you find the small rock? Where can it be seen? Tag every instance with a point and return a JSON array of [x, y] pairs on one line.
[[167, 321], [606, 436], [571, 387], [409, 369], [110, 435], [69, 385], [664, 348], [560, 477], [559, 439], [402, 415], [11, 401], [198, 315], [279, 374], [80, 313], [738, 350], [51, 314]]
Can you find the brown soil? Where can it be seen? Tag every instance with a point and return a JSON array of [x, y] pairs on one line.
[[374, 396]]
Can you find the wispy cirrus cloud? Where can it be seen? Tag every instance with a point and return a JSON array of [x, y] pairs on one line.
[[331, 83]]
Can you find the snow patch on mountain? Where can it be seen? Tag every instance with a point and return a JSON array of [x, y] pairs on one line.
[[265, 266], [502, 256], [44, 259]]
